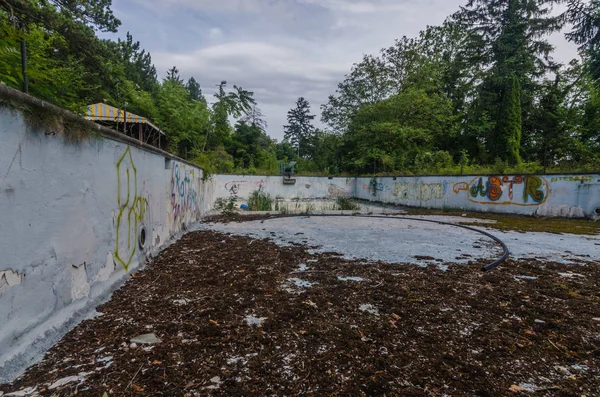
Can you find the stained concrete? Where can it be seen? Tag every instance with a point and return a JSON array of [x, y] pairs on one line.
[[572, 196], [73, 216], [397, 240]]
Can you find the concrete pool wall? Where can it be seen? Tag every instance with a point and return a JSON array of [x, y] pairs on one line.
[[76, 216], [568, 195]]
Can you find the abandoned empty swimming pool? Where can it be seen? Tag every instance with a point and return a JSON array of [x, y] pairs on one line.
[[127, 270]]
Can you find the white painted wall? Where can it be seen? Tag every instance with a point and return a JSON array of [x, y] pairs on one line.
[[71, 217], [575, 196], [221, 186]]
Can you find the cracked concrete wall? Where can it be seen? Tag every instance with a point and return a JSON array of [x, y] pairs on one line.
[[76, 219], [572, 196]]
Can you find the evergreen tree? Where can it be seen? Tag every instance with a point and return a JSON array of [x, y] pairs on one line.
[[299, 131], [510, 37], [194, 89], [138, 64], [585, 18], [507, 141], [173, 75]]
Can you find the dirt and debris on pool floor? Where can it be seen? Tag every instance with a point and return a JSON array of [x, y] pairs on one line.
[[217, 314]]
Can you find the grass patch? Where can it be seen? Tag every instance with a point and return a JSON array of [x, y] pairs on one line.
[[260, 201], [346, 204]]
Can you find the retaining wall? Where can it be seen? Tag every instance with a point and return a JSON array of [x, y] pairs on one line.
[[75, 219], [573, 196], [306, 187]]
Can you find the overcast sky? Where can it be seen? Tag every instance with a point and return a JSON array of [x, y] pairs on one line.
[[280, 49]]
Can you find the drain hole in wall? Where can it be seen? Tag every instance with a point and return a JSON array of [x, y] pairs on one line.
[[598, 211], [142, 238]]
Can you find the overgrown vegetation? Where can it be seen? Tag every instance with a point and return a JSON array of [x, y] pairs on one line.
[[517, 223], [228, 206], [346, 204], [260, 201], [479, 94]]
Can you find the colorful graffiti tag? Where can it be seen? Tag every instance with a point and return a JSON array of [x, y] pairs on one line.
[[515, 190], [418, 191], [132, 210], [184, 195]]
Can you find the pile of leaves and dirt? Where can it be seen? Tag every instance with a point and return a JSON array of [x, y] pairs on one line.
[[221, 315]]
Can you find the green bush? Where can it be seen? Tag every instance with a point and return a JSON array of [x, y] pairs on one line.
[[346, 204], [260, 201], [227, 206]]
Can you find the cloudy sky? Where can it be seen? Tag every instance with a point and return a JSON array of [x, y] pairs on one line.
[[280, 49]]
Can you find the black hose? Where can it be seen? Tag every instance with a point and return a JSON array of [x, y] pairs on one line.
[[485, 268]]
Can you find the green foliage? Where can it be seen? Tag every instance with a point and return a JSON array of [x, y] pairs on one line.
[[508, 128], [470, 96], [300, 132], [215, 161], [228, 206], [260, 201], [346, 204]]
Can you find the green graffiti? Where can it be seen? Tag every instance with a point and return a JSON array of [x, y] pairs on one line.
[[478, 189], [532, 189], [133, 208]]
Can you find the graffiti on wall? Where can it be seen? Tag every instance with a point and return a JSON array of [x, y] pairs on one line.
[[418, 191], [409, 190], [375, 187], [514, 190], [132, 208], [233, 187], [579, 179], [184, 192], [335, 191]]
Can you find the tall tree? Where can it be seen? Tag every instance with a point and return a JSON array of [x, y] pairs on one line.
[[367, 83], [510, 35], [506, 143], [256, 118], [585, 18], [299, 131], [233, 103], [137, 63], [173, 75], [53, 14], [194, 89]]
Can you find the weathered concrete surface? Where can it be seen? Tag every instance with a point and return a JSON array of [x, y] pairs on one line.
[[571, 196], [221, 186], [76, 217], [410, 241]]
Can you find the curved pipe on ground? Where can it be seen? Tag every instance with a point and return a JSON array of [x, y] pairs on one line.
[[488, 267]]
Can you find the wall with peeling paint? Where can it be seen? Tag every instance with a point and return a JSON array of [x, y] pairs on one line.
[[572, 196], [76, 219]]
